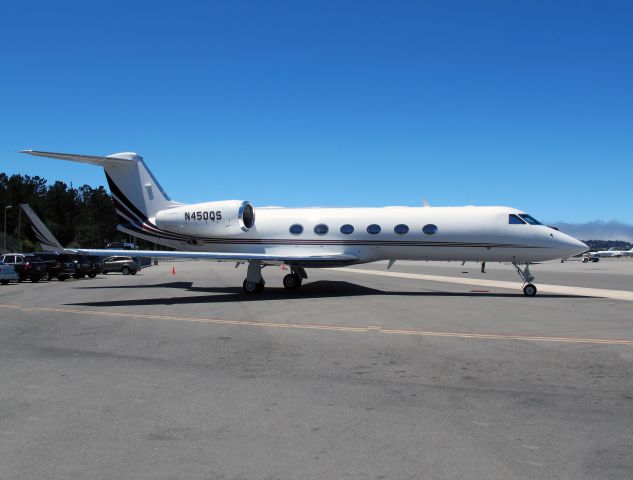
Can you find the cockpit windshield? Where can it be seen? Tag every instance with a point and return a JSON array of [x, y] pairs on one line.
[[514, 220], [529, 219]]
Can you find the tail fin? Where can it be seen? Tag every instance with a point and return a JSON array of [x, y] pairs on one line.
[[137, 193], [46, 238]]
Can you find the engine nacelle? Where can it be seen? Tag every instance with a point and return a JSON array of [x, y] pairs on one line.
[[226, 218]]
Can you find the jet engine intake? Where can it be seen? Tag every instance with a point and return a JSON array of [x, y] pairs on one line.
[[224, 218]]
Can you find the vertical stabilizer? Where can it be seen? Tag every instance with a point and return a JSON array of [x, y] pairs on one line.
[[135, 190]]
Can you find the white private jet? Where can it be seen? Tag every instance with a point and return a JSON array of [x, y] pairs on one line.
[[303, 238], [612, 252]]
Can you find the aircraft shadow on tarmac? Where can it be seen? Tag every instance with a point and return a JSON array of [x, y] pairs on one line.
[[318, 289]]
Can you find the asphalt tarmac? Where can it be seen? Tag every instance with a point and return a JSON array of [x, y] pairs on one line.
[[356, 375]]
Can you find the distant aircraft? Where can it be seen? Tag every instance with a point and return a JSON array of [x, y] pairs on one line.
[[612, 252], [318, 237]]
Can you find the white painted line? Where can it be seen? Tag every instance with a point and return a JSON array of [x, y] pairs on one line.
[[544, 288]]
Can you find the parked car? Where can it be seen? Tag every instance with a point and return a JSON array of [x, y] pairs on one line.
[[96, 266], [125, 265], [27, 265], [7, 273], [82, 266], [58, 265]]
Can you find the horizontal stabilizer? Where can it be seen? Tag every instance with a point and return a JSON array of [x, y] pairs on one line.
[[91, 159]]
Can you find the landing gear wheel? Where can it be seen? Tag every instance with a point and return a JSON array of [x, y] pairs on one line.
[[253, 287], [292, 281], [529, 290]]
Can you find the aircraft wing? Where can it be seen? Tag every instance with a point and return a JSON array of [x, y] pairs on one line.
[[321, 259]]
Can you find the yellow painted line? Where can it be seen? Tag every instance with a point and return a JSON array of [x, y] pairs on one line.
[[326, 327], [308, 326], [543, 288]]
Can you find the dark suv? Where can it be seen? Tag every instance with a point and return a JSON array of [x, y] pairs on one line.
[[125, 265], [58, 265], [96, 266], [82, 266], [27, 265]]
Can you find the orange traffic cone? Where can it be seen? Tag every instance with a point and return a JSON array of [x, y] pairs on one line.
[[173, 270]]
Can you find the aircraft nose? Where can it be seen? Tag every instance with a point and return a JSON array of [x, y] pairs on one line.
[[574, 246]]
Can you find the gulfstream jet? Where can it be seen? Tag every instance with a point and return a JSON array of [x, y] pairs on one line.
[[234, 230]]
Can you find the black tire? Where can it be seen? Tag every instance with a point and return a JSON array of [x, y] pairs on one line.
[[4, 282], [92, 275], [62, 278], [35, 279], [252, 287], [292, 281], [133, 272], [125, 270], [529, 290]]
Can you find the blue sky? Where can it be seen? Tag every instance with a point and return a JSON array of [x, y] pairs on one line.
[[296, 103]]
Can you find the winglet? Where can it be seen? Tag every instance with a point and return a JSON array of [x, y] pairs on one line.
[[46, 238]]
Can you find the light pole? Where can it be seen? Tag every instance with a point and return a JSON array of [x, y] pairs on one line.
[[19, 227], [4, 243]]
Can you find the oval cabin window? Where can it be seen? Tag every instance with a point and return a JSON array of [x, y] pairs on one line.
[[401, 229], [430, 229], [296, 229], [347, 229], [321, 229], [373, 229]]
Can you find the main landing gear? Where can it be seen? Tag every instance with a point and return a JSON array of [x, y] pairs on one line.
[[529, 290], [254, 282], [293, 280]]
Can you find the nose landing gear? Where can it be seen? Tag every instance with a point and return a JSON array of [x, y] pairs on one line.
[[529, 290]]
